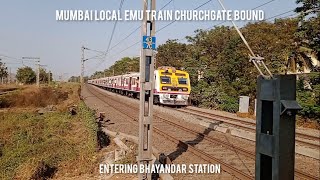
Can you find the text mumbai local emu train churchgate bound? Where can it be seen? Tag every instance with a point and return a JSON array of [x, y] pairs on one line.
[[164, 15]]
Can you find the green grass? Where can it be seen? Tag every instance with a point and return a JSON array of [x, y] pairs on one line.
[[55, 139]]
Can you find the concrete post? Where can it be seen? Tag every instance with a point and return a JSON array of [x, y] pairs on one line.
[[275, 127], [244, 104]]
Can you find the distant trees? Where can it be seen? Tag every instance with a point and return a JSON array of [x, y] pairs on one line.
[[288, 45], [3, 71], [223, 59], [26, 75], [171, 53], [309, 26], [44, 76], [123, 66], [74, 79]]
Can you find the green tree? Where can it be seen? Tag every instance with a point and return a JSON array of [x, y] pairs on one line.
[[122, 66], [309, 29], [171, 53], [74, 79], [26, 75], [3, 70], [44, 76]]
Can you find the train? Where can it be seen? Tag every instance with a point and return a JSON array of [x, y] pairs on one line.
[[172, 86]]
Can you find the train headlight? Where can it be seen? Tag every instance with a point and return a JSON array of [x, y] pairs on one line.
[[166, 96], [184, 89]]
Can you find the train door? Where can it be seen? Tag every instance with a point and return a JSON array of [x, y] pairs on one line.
[[130, 82], [137, 84]]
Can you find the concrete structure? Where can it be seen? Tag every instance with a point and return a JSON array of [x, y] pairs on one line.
[[244, 104], [275, 127]]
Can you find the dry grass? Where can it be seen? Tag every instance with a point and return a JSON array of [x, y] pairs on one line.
[[41, 97], [36, 146], [307, 123]]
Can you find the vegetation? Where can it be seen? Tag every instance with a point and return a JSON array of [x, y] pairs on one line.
[[74, 79], [218, 62], [3, 70], [125, 65], [44, 76], [39, 146], [26, 75]]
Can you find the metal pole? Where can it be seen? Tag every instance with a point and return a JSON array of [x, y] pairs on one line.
[[49, 77], [9, 75], [82, 65], [146, 90], [38, 73]]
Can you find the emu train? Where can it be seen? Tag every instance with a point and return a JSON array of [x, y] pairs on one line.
[[172, 86]]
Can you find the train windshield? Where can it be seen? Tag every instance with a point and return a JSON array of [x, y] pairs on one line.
[[165, 80], [182, 80]]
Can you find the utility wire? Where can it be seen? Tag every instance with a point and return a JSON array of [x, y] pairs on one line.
[[9, 57], [162, 27], [268, 2], [114, 28], [226, 21], [263, 4], [279, 15], [166, 4], [122, 40], [137, 28], [110, 41]]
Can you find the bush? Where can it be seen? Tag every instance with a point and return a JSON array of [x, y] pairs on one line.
[[309, 99], [229, 104]]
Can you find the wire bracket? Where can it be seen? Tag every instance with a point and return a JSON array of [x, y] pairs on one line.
[[259, 63]]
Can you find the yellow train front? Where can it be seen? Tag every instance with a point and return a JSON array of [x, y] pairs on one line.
[[172, 87]]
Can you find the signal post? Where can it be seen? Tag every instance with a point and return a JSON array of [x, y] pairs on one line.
[[146, 88]]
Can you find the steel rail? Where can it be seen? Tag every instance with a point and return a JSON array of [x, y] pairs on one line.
[[247, 153], [226, 167], [250, 128]]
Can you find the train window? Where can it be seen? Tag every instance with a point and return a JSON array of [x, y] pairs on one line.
[[166, 73], [182, 80], [180, 74], [165, 80]]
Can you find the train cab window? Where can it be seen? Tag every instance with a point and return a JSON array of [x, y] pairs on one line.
[[165, 80], [182, 80], [180, 74]]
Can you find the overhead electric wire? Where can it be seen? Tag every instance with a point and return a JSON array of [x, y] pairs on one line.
[[263, 4], [122, 40], [114, 28], [201, 5], [226, 21], [136, 29], [110, 41], [162, 28], [176, 20], [279, 15], [9, 57], [166, 4]]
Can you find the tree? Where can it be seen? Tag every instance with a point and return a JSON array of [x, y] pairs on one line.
[[3, 70], [122, 66], [309, 26], [26, 75], [74, 79], [171, 53], [44, 76]]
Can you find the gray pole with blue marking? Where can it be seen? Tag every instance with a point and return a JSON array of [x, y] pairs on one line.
[[146, 87]]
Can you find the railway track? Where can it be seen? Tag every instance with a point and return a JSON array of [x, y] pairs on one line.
[[168, 135], [204, 155], [246, 124]]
